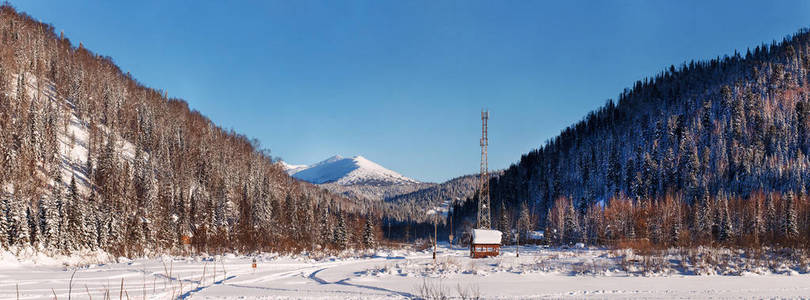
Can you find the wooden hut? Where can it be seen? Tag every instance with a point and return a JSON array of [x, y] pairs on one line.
[[485, 243]]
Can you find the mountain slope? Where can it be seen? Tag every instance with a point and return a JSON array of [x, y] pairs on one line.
[[355, 178], [706, 133], [437, 198], [348, 171], [93, 160]]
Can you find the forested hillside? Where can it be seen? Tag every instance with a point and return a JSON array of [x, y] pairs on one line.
[[92, 159], [416, 204], [705, 151]]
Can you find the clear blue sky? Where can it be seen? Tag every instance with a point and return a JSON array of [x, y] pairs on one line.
[[402, 82]]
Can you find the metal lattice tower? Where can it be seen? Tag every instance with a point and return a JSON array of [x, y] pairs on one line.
[[483, 188]]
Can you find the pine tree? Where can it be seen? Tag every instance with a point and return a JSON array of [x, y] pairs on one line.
[[290, 208], [88, 211], [790, 227], [552, 233], [101, 223], [770, 215], [4, 223], [692, 177], [74, 229], [503, 226], [369, 241], [706, 122], [614, 173], [325, 229], [524, 221], [33, 228], [572, 230], [756, 225], [737, 119], [704, 216], [725, 222], [676, 226], [341, 234], [20, 233], [649, 175], [49, 215]]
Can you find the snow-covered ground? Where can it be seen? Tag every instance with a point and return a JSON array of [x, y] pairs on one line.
[[346, 171], [537, 273]]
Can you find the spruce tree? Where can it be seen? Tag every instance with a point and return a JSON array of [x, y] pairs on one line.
[[552, 233], [325, 228], [290, 208], [524, 221], [4, 223], [369, 241], [725, 221], [756, 225], [572, 230], [102, 227], [705, 216], [74, 229], [33, 227], [770, 215], [20, 232], [790, 226], [88, 213], [341, 234], [706, 122], [503, 226]]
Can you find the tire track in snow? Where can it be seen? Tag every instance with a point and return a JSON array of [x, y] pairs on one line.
[[314, 276]]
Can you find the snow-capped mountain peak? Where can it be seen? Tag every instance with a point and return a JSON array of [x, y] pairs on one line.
[[346, 171]]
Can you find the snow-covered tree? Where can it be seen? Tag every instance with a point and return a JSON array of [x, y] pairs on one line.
[[5, 226], [19, 231], [771, 219], [74, 230], [89, 211], [572, 230], [524, 220], [725, 228], [789, 225], [325, 228], [503, 226], [341, 234], [369, 241]]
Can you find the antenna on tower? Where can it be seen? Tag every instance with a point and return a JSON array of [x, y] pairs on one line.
[[483, 189]]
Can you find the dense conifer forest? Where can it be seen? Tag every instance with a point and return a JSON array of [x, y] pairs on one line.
[[92, 159], [705, 152]]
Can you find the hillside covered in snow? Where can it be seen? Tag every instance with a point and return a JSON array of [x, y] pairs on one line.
[[707, 151], [355, 177], [347, 171], [94, 161]]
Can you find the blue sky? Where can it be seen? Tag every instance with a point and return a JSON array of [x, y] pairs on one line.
[[402, 82]]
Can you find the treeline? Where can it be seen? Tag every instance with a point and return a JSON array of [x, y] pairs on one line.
[[414, 205], [155, 176], [760, 219], [735, 126]]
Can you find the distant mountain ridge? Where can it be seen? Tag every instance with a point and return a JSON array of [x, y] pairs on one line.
[[346, 171], [355, 177]]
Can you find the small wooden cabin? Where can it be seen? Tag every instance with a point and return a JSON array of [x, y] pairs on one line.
[[485, 243]]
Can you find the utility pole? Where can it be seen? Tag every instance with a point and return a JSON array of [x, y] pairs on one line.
[[435, 231], [483, 188]]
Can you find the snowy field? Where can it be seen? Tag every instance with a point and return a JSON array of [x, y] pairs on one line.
[[537, 273]]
